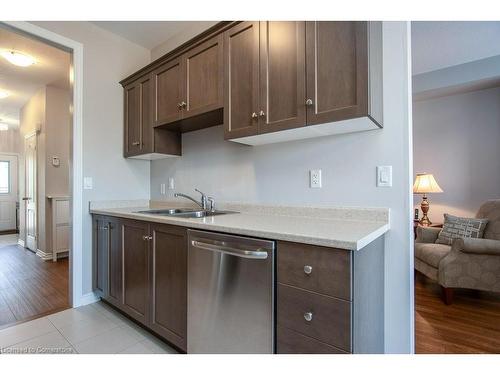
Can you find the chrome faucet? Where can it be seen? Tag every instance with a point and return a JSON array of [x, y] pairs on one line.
[[203, 202]]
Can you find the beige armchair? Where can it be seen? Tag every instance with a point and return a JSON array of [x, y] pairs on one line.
[[472, 263]]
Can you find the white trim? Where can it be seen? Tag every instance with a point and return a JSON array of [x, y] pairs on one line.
[[20, 242], [89, 298], [409, 187], [43, 254], [76, 295]]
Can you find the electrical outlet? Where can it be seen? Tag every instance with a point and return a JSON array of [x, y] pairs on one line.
[[315, 178]]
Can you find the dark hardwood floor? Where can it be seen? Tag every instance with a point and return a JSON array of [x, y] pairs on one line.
[[470, 325], [29, 286]]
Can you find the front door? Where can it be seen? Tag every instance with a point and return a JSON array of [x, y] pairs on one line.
[[8, 192], [30, 198]]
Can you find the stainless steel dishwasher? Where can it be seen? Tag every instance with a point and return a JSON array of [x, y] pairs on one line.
[[230, 294]]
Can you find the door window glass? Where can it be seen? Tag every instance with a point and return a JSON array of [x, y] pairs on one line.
[[4, 177]]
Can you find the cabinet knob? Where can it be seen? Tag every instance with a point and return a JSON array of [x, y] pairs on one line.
[[179, 105], [136, 143], [145, 238], [254, 115], [183, 104], [308, 270], [262, 113], [309, 102], [308, 316], [150, 238]]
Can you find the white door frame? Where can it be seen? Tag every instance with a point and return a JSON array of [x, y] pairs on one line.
[[34, 247], [76, 295]]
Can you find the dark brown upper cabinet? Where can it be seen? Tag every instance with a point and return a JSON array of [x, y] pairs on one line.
[[282, 76], [267, 82], [168, 93], [141, 140], [265, 78], [312, 76], [337, 71], [241, 79], [203, 72], [188, 90]]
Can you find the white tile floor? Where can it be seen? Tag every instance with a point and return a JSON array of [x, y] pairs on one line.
[[8, 239], [91, 329]]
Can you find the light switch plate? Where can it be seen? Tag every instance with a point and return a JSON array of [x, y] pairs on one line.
[[384, 176], [88, 184], [315, 178], [162, 189], [171, 183]]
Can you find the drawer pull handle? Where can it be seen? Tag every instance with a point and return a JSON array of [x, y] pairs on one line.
[[308, 270], [308, 316]]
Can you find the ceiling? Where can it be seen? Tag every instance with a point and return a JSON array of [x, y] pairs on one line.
[[441, 44], [148, 34], [52, 68]]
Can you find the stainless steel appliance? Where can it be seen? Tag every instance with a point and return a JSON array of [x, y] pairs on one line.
[[230, 294]]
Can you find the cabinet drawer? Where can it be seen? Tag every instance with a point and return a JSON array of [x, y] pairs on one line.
[[330, 317], [330, 269], [291, 342]]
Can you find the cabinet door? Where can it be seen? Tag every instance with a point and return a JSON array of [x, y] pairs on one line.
[[241, 80], [168, 92], [146, 136], [169, 283], [203, 69], [135, 272], [282, 76], [100, 255], [337, 70], [115, 263], [132, 117]]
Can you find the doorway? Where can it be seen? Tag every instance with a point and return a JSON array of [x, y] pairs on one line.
[[36, 115]]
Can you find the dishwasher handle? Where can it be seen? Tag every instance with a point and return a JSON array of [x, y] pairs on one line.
[[241, 253]]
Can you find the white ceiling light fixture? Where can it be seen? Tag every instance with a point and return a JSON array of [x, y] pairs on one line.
[[4, 94], [18, 58], [4, 127]]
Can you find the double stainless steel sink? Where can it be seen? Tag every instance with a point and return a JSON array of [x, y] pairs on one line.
[[185, 212]]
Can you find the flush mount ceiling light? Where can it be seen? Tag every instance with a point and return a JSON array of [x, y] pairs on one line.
[[18, 58], [4, 127], [3, 94]]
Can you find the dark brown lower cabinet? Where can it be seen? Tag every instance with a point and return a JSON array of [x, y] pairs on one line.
[[136, 285], [328, 301], [141, 269], [169, 283]]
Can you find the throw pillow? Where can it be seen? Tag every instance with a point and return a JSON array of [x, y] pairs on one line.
[[460, 227]]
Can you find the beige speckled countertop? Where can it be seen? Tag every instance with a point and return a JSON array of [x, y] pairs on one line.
[[343, 228]]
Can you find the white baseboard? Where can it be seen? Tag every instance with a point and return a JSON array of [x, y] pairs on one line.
[[20, 242], [43, 254], [88, 298]]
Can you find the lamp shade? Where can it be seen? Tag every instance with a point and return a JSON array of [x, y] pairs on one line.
[[425, 183]]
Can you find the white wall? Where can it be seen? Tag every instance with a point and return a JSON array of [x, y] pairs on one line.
[[107, 59], [278, 174], [9, 141], [457, 139], [180, 38]]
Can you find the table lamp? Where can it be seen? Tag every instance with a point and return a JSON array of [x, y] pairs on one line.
[[425, 183]]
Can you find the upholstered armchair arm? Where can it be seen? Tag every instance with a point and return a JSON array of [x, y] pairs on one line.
[[427, 234], [477, 246]]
